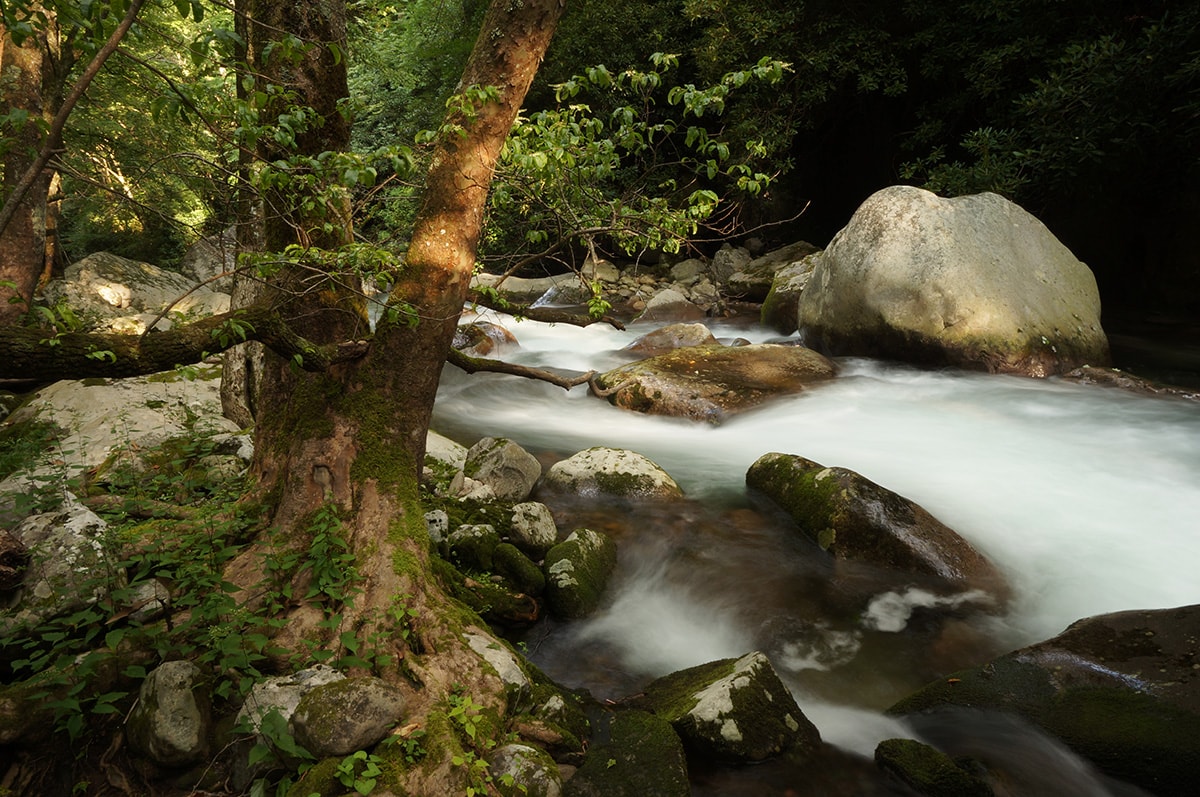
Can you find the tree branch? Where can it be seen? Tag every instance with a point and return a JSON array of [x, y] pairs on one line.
[[474, 365], [33, 353]]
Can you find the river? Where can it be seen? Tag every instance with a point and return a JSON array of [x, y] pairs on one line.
[[1087, 498]]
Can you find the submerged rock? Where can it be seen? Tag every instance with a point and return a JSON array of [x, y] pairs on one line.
[[577, 571], [601, 472], [734, 709], [973, 281], [855, 519], [483, 339], [1122, 690], [711, 382], [636, 755]]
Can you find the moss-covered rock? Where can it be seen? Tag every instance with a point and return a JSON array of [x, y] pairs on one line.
[[472, 547], [171, 722], [779, 307], [344, 716], [709, 383], [855, 519], [928, 770], [733, 709], [532, 771], [1122, 690], [518, 569], [577, 571], [601, 472], [633, 754]]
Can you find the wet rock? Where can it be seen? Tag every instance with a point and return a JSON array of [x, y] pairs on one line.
[[1113, 377], [497, 654], [171, 721], [483, 339], [734, 710], [855, 519], [727, 261], [637, 754], [671, 337], [509, 470], [533, 529], [780, 305], [577, 571], [928, 770], [520, 290], [533, 772], [753, 281], [601, 472], [338, 718], [712, 382], [1122, 690], [973, 281], [669, 306]]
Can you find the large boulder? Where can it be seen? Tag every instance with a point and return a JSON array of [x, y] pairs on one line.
[[733, 710], [124, 295], [1122, 690], [500, 464], [710, 383], [855, 519], [608, 473], [974, 281], [338, 718]]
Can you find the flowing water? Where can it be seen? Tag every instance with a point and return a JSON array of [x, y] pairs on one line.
[[1087, 499]]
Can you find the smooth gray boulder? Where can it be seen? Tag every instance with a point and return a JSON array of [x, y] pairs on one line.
[[669, 306], [733, 710], [779, 306], [710, 383], [601, 472], [171, 721], [339, 718], [509, 470], [671, 337], [1119, 689], [533, 529], [577, 571], [973, 281], [855, 519]]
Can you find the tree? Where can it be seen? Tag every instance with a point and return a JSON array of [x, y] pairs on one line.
[[345, 439]]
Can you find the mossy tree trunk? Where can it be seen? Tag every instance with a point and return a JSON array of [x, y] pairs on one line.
[[353, 437]]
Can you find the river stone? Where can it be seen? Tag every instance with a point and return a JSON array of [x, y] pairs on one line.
[[533, 529], [855, 519], [472, 546], [338, 718], [780, 305], [1122, 690], [973, 281], [502, 660], [533, 771], [753, 281], [671, 337], [928, 770], [483, 339], [710, 383], [727, 261], [633, 754], [733, 709], [577, 571], [518, 569], [504, 466], [281, 694], [171, 721], [520, 290], [601, 472], [669, 306]]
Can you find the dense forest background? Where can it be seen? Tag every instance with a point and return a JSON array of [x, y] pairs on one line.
[[1085, 113]]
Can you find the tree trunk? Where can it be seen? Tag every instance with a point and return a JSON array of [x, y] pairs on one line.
[[354, 436], [34, 75]]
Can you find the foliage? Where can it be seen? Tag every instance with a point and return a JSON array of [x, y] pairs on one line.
[[645, 176]]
